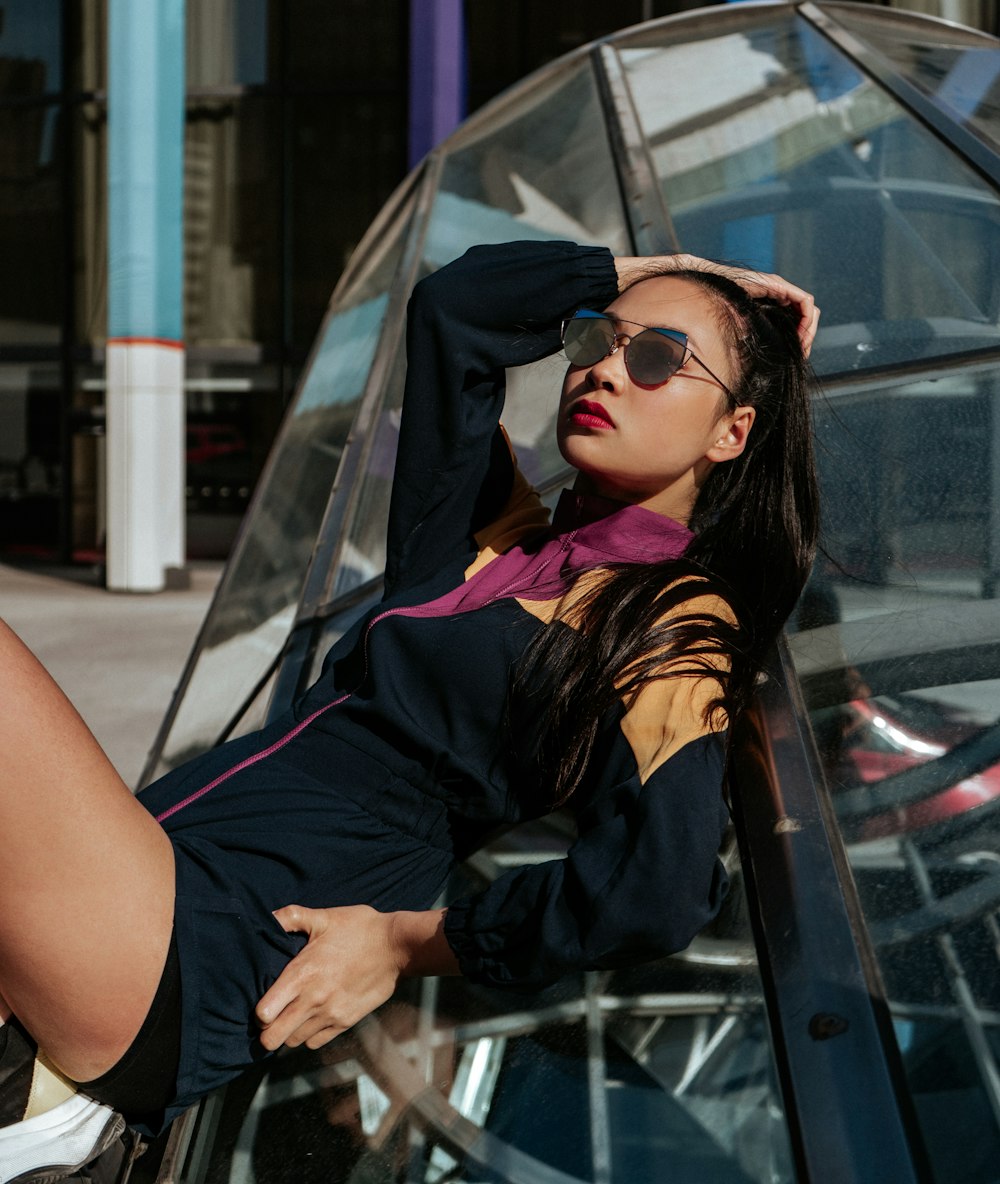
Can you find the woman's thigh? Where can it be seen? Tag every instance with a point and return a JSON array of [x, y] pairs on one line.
[[86, 878]]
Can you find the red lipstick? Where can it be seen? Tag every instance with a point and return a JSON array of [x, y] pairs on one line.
[[586, 413]]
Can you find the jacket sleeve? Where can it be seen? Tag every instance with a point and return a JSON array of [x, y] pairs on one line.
[[640, 881], [494, 307]]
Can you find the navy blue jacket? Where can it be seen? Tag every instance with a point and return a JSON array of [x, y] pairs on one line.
[[397, 763]]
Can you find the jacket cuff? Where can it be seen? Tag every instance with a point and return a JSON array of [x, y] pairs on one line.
[[475, 965], [598, 267]]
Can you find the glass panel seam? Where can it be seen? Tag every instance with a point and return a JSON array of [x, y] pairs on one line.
[[345, 488], [903, 372], [330, 608], [977, 153], [649, 218], [244, 533], [376, 230]]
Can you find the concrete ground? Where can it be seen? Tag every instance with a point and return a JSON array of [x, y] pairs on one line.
[[118, 656]]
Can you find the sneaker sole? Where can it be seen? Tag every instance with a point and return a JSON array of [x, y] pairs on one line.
[[46, 1149]]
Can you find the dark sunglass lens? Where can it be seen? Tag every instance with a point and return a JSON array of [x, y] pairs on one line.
[[587, 339], [652, 357]]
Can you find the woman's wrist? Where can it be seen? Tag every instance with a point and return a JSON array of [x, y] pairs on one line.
[[632, 268], [419, 943]]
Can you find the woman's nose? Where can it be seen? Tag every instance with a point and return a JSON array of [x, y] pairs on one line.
[[608, 373]]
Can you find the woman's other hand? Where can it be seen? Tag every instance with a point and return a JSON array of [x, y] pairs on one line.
[[350, 965], [758, 283]]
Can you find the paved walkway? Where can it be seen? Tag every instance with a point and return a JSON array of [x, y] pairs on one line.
[[118, 656]]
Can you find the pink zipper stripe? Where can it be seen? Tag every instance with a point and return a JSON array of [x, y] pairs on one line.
[[251, 760], [402, 610]]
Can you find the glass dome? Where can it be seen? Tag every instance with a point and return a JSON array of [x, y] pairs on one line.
[[841, 1019]]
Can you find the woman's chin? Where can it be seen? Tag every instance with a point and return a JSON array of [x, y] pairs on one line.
[[583, 450]]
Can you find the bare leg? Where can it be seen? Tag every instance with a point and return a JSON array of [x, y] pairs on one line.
[[86, 879]]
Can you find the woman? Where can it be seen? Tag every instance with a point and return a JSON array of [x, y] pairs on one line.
[[273, 891]]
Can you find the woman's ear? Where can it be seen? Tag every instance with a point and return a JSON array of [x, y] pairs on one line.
[[733, 432]]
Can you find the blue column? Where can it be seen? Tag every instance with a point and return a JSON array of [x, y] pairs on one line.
[[145, 358], [145, 168], [437, 73]]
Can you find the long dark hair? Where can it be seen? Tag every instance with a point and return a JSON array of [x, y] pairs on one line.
[[756, 520]]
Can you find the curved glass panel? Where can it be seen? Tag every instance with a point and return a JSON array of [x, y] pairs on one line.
[[899, 657], [541, 168], [774, 150], [770, 147], [958, 69], [255, 606]]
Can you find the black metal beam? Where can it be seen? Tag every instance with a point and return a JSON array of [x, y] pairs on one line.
[[849, 1114]]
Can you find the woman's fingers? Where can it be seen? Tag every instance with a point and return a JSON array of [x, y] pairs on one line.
[[803, 302], [301, 1005], [279, 1010], [294, 918], [347, 968], [631, 269], [808, 335], [762, 283]]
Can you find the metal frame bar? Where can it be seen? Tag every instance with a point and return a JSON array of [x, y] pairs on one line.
[[650, 223], [968, 1010], [976, 152], [597, 1097], [849, 1113], [344, 494], [346, 489], [375, 231]]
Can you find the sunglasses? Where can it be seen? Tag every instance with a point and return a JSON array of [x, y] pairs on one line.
[[652, 356]]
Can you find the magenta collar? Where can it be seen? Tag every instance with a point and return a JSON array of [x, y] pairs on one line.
[[586, 532]]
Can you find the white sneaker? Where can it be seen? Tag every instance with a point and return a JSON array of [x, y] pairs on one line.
[[50, 1145]]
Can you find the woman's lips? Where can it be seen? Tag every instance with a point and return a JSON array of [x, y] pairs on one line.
[[587, 414]]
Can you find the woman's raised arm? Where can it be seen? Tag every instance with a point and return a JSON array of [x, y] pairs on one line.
[[494, 307]]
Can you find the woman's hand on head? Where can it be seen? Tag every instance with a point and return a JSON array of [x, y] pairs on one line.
[[631, 269], [350, 965]]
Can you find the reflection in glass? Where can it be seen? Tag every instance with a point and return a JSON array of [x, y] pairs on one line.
[[32, 160], [899, 657], [910, 475], [915, 777], [959, 69], [232, 202], [31, 473], [255, 606], [540, 168], [794, 161], [658, 1073], [30, 48], [227, 43]]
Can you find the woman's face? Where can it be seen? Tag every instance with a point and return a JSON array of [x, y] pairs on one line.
[[654, 446]]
